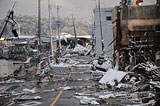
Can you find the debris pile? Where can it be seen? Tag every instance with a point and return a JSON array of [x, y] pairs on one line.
[[142, 86], [103, 63], [82, 50]]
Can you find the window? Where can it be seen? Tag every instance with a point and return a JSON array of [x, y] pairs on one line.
[[108, 18], [158, 28]]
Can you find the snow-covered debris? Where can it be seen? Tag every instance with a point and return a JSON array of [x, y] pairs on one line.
[[37, 97], [67, 63], [84, 100], [148, 66], [29, 90], [62, 65], [106, 96], [12, 80], [102, 63], [124, 86], [82, 50], [82, 65], [133, 80], [27, 97], [28, 60], [67, 88], [111, 76]]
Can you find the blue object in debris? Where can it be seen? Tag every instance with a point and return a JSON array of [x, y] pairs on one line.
[[7, 57], [93, 30]]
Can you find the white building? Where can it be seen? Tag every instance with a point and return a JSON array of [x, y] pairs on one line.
[[107, 32]]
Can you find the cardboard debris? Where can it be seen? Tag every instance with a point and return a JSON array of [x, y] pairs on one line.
[[111, 75]]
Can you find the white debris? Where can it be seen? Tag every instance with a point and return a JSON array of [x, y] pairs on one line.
[[37, 97], [133, 80], [82, 65], [46, 79], [80, 94], [82, 50], [98, 73], [150, 103], [148, 66], [111, 75], [67, 88], [28, 60], [84, 100], [29, 91], [60, 65], [12, 80], [106, 63], [106, 96], [124, 86]]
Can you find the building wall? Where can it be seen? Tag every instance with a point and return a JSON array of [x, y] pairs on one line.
[[145, 2], [107, 31]]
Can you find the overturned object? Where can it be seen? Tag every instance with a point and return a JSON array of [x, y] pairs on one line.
[[102, 64]]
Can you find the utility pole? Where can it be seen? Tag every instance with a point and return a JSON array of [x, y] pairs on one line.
[[100, 21], [74, 30], [39, 36], [50, 26], [58, 24], [39, 23]]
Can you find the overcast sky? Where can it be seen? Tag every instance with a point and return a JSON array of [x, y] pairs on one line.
[[82, 9]]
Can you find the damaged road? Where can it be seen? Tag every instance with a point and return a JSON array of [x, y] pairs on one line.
[[72, 85]]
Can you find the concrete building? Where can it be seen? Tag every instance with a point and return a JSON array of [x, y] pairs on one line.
[[106, 37], [144, 2]]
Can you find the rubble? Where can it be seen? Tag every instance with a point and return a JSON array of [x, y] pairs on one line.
[[102, 63], [4, 101], [82, 50], [27, 97], [112, 77], [84, 100]]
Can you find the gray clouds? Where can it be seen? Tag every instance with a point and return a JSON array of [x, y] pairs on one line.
[[81, 8]]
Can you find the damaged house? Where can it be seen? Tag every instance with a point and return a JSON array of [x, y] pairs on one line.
[[136, 33]]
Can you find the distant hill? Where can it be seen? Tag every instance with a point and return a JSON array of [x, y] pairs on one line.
[[28, 26]]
